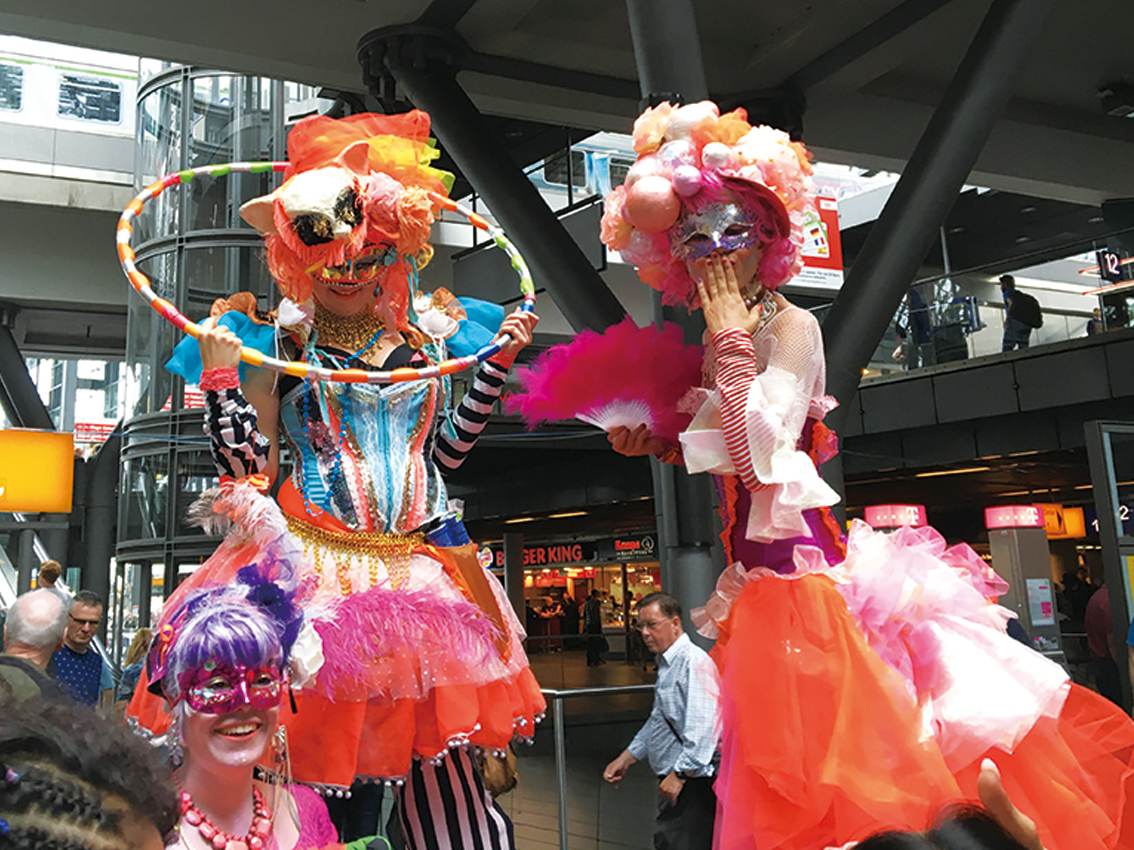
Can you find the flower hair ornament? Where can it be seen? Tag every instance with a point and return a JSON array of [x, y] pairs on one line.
[[691, 158]]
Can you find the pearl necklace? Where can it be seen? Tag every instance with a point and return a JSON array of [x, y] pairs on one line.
[[766, 302], [256, 838], [349, 333]]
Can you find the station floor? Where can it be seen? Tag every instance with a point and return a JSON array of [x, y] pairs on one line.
[[599, 816]]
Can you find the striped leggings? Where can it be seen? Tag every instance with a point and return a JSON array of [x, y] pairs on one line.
[[445, 807]]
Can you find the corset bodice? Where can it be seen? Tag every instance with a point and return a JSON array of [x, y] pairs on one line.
[[364, 453]]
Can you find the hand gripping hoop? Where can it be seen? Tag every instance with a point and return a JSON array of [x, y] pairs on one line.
[[141, 283]]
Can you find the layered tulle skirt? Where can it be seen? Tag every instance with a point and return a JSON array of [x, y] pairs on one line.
[[414, 647], [865, 696]]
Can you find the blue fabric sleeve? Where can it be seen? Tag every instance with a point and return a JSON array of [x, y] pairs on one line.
[[1130, 635], [475, 332], [186, 359]]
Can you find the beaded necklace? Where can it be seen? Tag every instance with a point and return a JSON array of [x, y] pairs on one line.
[[257, 834], [356, 332], [767, 302], [318, 435]]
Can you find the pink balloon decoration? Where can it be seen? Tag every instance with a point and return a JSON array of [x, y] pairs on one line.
[[651, 204], [686, 180]]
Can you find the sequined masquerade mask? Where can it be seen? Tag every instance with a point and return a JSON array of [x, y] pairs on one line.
[[718, 227], [363, 268], [225, 689]]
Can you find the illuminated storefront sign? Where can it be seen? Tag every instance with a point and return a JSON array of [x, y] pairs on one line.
[[629, 549]]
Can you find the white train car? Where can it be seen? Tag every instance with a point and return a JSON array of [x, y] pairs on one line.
[[67, 88]]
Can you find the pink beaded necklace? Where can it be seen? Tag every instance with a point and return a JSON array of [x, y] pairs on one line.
[[255, 839]]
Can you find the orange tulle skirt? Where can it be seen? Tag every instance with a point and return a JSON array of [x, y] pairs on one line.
[[414, 695], [823, 744], [820, 739]]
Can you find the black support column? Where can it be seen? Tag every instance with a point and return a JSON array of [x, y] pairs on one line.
[[667, 50], [22, 403], [937, 170], [424, 62]]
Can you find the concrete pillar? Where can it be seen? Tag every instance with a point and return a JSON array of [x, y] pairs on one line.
[[667, 50], [27, 564], [100, 521]]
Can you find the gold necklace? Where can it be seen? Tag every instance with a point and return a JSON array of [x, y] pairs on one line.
[[349, 332]]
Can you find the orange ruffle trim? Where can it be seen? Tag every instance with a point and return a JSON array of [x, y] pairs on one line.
[[821, 740], [822, 747]]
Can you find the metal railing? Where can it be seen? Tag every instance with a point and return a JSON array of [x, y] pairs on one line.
[[556, 698]]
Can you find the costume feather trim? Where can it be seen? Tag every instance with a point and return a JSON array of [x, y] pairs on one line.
[[367, 636], [625, 376]]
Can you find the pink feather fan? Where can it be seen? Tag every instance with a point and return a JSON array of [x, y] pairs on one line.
[[625, 376]]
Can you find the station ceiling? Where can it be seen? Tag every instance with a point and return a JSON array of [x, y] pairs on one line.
[[858, 78]]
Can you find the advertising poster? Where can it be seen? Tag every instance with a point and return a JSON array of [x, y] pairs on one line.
[[1041, 605], [822, 249]]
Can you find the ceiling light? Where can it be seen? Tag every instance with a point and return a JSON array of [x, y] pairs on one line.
[[953, 471], [514, 520], [566, 514]]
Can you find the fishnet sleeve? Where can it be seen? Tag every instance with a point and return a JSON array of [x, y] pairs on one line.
[[792, 343]]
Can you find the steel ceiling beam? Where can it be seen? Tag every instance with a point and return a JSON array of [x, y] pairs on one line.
[[910, 221], [424, 64]]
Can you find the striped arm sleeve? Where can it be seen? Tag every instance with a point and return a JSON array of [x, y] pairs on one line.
[[736, 370], [237, 447], [470, 417]]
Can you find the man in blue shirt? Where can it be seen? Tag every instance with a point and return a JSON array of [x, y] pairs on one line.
[[79, 668], [679, 739]]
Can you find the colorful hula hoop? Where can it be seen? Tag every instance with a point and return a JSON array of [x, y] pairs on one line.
[[167, 310]]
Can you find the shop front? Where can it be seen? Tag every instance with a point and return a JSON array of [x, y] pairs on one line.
[[559, 577]]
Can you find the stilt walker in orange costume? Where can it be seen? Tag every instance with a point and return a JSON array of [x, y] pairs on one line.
[[414, 654]]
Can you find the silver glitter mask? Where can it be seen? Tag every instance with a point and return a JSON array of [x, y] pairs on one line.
[[718, 227]]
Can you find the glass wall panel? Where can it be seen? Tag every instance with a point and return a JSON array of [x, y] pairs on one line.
[[145, 499], [148, 68], [212, 272], [194, 247], [159, 153], [231, 122], [196, 473], [150, 339]]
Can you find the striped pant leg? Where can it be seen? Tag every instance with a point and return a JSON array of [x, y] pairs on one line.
[[446, 807]]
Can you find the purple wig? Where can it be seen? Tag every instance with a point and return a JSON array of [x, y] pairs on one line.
[[226, 629]]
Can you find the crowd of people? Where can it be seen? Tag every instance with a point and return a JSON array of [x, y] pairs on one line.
[[344, 637]]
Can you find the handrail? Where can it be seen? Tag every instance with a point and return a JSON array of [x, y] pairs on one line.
[[557, 696]]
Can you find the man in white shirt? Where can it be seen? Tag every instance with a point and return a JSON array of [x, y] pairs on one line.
[[680, 737]]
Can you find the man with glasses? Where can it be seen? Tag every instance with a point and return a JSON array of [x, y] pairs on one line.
[[78, 668], [679, 739]]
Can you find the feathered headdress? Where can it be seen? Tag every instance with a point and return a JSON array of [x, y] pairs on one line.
[[357, 192]]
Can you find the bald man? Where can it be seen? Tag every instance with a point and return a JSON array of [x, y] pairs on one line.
[[32, 632]]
